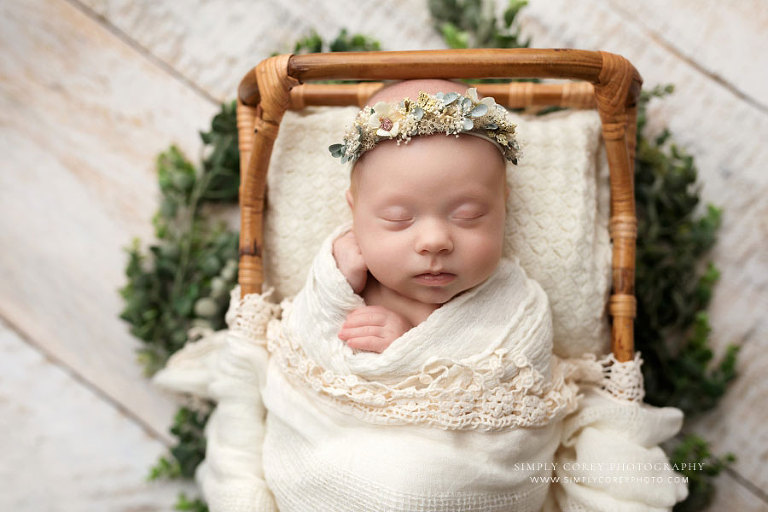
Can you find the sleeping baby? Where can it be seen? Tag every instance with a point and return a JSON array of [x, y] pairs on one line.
[[428, 224], [414, 370]]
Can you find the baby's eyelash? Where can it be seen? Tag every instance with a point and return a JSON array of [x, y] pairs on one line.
[[468, 216]]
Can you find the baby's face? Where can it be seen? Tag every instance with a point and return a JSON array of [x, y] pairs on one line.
[[429, 216]]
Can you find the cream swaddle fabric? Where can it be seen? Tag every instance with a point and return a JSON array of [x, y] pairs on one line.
[[469, 422], [456, 414]]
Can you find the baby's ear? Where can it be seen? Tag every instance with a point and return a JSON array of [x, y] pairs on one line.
[[350, 199]]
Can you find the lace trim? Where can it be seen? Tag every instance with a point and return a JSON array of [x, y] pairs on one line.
[[623, 380], [502, 391], [248, 316], [619, 380]]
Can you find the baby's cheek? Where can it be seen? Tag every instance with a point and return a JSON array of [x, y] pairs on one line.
[[379, 261], [383, 258], [485, 250]]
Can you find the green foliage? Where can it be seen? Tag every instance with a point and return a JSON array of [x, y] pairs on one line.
[[343, 42], [473, 24], [223, 162], [674, 286], [353, 43], [700, 486], [165, 469], [184, 278], [196, 505], [188, 428], [314, 43]]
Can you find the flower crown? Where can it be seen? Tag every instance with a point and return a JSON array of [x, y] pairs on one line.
[[450, 113]]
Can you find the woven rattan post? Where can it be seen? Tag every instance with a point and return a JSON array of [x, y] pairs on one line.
[[613, 85], [512, 94]]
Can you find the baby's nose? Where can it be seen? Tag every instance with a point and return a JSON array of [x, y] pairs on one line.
[[434, 237]]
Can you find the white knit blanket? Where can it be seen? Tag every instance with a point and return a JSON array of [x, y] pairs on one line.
[[467, 411]]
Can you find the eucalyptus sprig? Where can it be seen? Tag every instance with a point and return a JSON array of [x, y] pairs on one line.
[[183, 280], [701, 489], [674, 279], [343, 42], [194, 505], [674, 287], [473, 24], [188, 428]]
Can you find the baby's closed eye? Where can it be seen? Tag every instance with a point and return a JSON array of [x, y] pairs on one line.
[[396, 218], [396, 214], [469, 213]]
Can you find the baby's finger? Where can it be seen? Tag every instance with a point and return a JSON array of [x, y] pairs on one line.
[[363, 316], [368, 344], [347, 333], [369, 309], [353, 240]]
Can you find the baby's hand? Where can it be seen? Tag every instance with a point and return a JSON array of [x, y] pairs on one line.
[[373, 328], [350, 261]]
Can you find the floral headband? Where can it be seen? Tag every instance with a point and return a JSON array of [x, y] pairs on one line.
[[450, 113]]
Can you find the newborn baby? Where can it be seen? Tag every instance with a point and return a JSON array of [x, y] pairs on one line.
[[446, 395], [428, 224]]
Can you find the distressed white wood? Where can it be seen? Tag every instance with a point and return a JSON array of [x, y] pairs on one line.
[[732, 495], [215, 42], [82, 118], [725, 38], [65, 448]]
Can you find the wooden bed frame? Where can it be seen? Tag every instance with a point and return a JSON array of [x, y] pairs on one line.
[[606, 81]]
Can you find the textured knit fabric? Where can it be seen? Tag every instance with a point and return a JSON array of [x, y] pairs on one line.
[[328, 444], [557, 221]]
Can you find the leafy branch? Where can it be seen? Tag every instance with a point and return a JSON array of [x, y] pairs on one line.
[[473, 24], [674, 283]]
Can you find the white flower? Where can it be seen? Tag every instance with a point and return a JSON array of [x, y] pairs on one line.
[[472, 94], [385, 119]]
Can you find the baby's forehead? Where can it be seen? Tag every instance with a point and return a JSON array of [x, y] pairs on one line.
[[411, 88], [481, 151], [470, 164]]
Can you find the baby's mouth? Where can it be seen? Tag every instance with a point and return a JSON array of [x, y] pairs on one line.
[[435, 278]]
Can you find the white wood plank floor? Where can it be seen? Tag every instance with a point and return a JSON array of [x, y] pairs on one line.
[[92, 90], [66, 446]]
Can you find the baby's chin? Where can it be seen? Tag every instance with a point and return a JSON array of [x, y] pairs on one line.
[[431, 295]]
